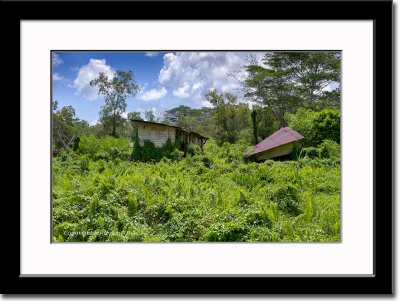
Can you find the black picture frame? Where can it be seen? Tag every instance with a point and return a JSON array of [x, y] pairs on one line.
[[378, 11]]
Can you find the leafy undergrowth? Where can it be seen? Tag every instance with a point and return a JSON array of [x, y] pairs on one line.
[[213, 196]]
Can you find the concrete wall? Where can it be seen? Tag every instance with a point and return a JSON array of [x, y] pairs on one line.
[[158, 134]]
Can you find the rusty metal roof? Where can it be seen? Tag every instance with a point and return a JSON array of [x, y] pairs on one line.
[[282, 136]]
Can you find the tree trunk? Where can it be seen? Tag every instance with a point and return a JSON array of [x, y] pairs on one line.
[[254, 120], [114, 125]]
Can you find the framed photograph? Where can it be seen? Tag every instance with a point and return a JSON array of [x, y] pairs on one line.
[[253, 146]]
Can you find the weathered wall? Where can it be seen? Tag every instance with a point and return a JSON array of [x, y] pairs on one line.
[[195, 139], [158, 134], [275, 152]]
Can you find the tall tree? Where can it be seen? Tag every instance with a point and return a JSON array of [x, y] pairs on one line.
[[115, 91], [150, 116], [289, 80], [63, 126], [254, 121], [311, 72], [66, 127], [273, 89], [231, 118], [198, 120], [134, 116]]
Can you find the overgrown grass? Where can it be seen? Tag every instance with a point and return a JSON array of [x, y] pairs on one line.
[[210, 196]]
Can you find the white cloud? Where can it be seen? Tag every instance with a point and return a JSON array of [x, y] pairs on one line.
[[151, 54], [57, 77], [153, 94], [189, 75], [183, 91], [206, 103], [93, 122], [56, 59], [88, 72]]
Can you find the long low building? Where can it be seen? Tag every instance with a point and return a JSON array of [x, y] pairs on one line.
[[159, 133], [279, 144]]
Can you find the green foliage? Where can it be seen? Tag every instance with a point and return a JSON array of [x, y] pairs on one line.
[[309, 152], [177, 155], [149, 115], [296, 151], [287, 199], [115, 91], [302, 122], [231, 119], [194, 149], [108, 189], [315, 126], [330, 149], [211, 196], [134, 116], [326, 126], [66, 128], [107, 148], [149, 152], [198, 120], [291, 80]]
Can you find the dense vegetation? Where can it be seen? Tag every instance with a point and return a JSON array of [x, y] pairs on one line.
[[206, 196], [108, 187]]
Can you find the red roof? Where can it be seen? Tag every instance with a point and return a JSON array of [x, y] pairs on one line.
[[282, 136]]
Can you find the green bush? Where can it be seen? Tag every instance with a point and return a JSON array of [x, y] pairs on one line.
[[235, 230], [194, 149], [302, 122], [106, 148], [149, 152], [309, 152], [288, 200], [315, 126], [329, 149], [177, 155], [326, 126]]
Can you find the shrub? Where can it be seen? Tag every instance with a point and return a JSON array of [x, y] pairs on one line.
[[329, 149], [182, 227], [326, 126], [288, 200], [76, 143], [194, 149], [302, 122], [309, 152], [105, 148], [235, 230], [84, 162], [177, 155], [149, 152], [315, 126]]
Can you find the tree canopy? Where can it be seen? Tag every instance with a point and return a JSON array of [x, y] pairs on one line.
[[115, 91], [290, 80]]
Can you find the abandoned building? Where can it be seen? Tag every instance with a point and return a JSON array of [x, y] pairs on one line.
[[159, 133], [278, 145]]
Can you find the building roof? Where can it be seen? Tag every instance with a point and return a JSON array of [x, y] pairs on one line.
[[172, 126], [282, 136]]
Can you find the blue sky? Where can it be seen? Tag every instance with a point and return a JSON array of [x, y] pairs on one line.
[[167, 79]]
